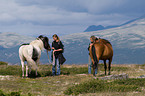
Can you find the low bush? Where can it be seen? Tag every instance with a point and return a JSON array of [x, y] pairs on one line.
[[93, 86], [3, 63], [1, 93], [119, 68], [15, 94], [10, 94], [11, 70]]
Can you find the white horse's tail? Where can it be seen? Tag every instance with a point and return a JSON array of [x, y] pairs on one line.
[[30, 61]]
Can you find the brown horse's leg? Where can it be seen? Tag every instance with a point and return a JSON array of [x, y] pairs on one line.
[[94, 67], [110, 60], [105, 67]]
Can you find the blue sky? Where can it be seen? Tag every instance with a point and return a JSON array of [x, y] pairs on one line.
[[34, 17]]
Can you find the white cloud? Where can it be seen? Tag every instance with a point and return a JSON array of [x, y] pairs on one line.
[[31, 16]]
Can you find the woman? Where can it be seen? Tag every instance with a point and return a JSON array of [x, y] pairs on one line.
[[57, 48], [93, 39]]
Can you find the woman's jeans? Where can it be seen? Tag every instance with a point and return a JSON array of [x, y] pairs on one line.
[[56, 63], [90, 66]]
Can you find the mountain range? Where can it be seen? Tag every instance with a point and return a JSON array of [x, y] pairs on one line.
[[128, 41], [101, 27]]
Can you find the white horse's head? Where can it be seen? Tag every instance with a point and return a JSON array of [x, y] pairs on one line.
[[41, 42], [45, 41]]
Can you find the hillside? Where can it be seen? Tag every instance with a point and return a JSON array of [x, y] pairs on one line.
[[128, 43], [100, 27], [9, 39]]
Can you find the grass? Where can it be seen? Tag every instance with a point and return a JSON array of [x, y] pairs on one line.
[[43, 71], [3, 63], [94, 86], [11, 94], [73, 80]]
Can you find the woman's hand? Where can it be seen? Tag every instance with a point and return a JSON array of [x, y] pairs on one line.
[[57, 50], [91, 44], [52, 48]]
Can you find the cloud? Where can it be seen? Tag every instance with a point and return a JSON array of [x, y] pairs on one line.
[[74, 15], [90, 6]]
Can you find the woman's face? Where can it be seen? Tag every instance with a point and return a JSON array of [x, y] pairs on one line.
[[91, 39], [54, 38]]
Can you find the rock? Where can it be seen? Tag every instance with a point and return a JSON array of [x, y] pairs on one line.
[[115, 77], [142, 76], [7, 77]]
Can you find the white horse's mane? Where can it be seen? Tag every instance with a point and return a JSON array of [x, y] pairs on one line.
[[38, 43]]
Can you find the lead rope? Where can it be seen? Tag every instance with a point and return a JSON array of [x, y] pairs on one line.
[[53, 59], [48, 57]]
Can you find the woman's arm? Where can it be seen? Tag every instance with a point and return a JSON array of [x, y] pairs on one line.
[[61, 47], [58, 50], [52, 48]]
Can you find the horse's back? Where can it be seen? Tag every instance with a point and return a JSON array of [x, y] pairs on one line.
[[108, 51], [99, 49], [104, 49], [105, 41], [25, 51]]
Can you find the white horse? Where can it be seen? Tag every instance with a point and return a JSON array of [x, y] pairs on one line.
[[32, 52]]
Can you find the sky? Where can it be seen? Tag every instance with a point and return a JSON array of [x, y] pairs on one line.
[[62, 17]]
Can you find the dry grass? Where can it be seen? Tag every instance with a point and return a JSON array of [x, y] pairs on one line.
[[49, 85]]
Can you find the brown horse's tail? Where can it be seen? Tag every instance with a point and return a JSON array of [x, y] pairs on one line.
[[94, 54]]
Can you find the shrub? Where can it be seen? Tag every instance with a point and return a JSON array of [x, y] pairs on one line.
[[10, 94], [3, 63], [93, 86], [15, 94], [1, 93], [119, 68], [11, 70]]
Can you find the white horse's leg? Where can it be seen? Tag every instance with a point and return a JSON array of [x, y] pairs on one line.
[[37, 62], [22, 63], [27, 70], [36, 72]]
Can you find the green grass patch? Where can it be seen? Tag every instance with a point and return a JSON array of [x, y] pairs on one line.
[[3, 63], [94, 86], [119, 68], [10, 70], [43, 71], [11, 93], [113, 68], [74, 70]]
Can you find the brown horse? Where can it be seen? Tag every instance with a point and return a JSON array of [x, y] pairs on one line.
[[103, 51]]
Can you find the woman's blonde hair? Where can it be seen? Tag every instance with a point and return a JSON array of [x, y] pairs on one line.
[[56, 37], [93, 38]]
